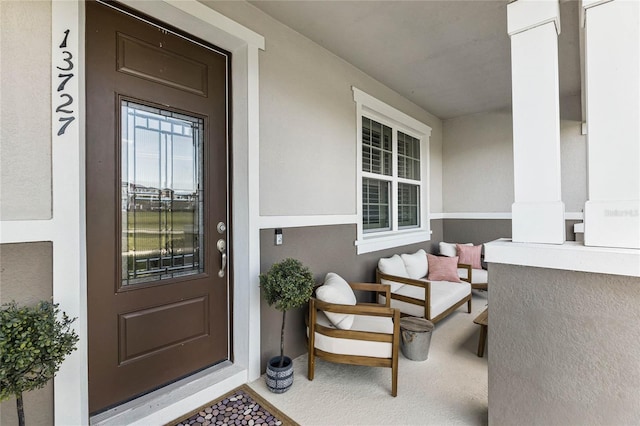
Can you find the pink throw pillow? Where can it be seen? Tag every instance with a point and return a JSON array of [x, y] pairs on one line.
[[443, 268], [469, 255]]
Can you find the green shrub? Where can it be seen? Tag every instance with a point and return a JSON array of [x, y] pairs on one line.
[[33, 344]]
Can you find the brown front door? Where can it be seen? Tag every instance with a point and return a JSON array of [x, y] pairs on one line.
[[157, 131]]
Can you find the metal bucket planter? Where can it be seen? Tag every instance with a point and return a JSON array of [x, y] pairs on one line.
[[279, 379], [416, 337]]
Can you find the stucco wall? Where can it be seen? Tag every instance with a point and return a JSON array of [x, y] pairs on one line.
[[25, 110], [478, 164], [26, 277], [563, 347], [308, 122], [573, 158]]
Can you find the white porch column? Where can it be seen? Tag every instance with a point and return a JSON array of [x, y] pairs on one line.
[[538, 211], [612, 61]]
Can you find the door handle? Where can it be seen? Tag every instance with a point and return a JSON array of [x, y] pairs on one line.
[[224, 265], [222, 248]]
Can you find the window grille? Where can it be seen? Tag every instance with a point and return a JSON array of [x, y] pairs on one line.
[[162, 204], [375, 205], [379, 149]]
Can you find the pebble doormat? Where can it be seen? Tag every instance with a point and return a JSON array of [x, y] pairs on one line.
[[241, 406]]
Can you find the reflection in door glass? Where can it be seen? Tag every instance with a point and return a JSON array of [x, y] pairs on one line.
[[162, 216]]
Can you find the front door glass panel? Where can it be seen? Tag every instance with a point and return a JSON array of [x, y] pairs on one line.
[[162, 186]]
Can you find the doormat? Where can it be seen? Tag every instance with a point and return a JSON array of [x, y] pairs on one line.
[[241, 406]]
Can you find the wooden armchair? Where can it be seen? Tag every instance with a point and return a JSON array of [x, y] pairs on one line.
[[372, 340]]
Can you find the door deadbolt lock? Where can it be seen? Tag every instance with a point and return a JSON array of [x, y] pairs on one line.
[[221, 228]]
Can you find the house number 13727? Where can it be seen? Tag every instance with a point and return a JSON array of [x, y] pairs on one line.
[[64, 111]]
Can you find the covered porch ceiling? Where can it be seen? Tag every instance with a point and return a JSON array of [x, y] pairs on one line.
[[451, 58]]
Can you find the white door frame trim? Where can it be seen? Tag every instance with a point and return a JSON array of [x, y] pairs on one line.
[[67, 228]]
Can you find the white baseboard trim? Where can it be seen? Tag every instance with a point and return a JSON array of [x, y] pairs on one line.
[[26, 231], [573, 216], [268, 222], [494, 215], [476, 215]]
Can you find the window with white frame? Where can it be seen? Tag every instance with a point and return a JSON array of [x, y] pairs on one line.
[[392, 176]]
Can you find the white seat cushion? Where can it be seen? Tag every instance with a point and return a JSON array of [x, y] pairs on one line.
[[336, 345], [336, 290], [478, 276], [444, 294], [416, 264], [393, 265]]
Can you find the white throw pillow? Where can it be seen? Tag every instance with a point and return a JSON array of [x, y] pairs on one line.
[[393, 266], [416, 264], [336, 290], [449, 249]]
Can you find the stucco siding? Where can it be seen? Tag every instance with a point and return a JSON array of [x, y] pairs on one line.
[[25, 110], [563, 347]]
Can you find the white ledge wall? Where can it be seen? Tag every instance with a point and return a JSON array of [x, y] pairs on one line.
[[538, 211], [542, 367], [493, 215], [570, 256], [612, 50]]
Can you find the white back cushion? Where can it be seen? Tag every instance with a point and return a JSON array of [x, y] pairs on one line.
[[393, 266], [336, 290], [416, 264], [449, 249], [444, 294]]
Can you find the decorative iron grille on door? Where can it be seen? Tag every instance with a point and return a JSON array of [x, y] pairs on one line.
[[162, 205]]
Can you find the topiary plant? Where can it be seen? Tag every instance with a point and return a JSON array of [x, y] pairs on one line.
[[33, 344], [288, 284]]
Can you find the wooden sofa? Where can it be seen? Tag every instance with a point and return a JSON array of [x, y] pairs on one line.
[[413, 294]]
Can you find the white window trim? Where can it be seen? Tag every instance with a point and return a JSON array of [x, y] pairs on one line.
[[373, 108]]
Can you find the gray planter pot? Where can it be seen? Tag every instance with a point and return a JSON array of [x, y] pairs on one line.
[[279, 380]]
